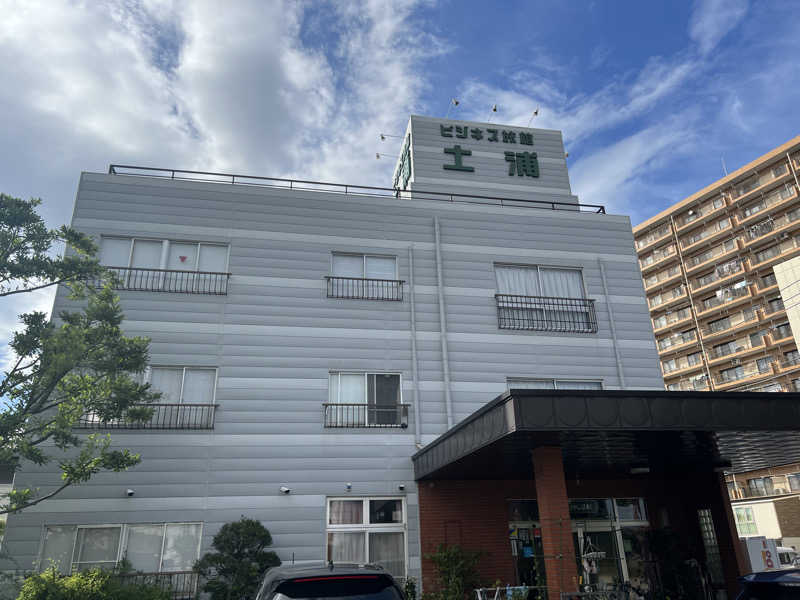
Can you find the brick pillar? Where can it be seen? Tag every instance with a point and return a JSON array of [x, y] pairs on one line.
[[551, 494]]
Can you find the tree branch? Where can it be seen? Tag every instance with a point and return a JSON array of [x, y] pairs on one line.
[[5, 511]]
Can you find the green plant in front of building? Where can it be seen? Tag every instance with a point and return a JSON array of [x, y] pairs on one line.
[[410, 588], [235, 570], [58, 374], [456, 573], [86, 585]]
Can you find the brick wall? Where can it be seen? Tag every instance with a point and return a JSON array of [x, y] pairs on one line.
[[788, 513]]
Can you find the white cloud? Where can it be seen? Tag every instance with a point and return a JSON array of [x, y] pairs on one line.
[[10, 308], [711, 20]]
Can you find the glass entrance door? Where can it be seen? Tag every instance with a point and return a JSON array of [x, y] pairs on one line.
[[597, 555]]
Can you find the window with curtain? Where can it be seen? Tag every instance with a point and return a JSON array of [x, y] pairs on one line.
[[368, 399], [543, 298], [181, 388], [368, 530], [149, 547], [364, 277]]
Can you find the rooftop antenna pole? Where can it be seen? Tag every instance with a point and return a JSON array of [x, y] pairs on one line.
[[535, 114], [453, 102], [494, 110], [724, 168]]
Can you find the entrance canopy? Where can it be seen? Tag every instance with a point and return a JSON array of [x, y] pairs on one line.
[[614, 432]]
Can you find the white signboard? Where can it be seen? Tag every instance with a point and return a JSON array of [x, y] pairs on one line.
[[763, 554]]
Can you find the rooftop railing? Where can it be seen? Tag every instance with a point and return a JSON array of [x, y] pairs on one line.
[[165, 416], [168, 280], [542, 313], [358, 288], [355, 415], [345, 189]]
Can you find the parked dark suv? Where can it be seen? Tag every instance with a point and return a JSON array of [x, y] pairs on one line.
[[772, 585], [341, 582]]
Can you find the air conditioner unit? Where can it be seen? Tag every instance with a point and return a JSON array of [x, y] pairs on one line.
[[736, 362], [785, 235]]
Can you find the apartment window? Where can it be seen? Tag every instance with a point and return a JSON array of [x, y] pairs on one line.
[[769, 280], [775, 304], [791, 358], [150, 548], [782, 331], [745, 521], [754, 208], [522, 383], [726, 348], [367, 530], [794, 482], [543, 299], [669, 365], [760, 486], [694, 359], [365, 400], [364, 277], [166, 265], [778, 170], [757, 338], [732, 374], [770, 252], [762, 364]]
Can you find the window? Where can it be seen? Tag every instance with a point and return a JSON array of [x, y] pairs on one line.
[[694, 359], [784, 330], [775, 305], [166, 265], [669, 365], [150, 548], [365, 400], [364, 277], [732, 374], [370, 530], [552, 384], [745, 521], [760, 486], [543, 299], [711, 546], [794, 482], [179, 385], [792, 357], [763, 364]]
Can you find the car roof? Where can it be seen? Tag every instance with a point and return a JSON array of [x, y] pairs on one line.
[[786, 576], [274, 576]]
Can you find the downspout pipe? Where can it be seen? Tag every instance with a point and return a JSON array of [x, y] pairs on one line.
[[791, 166], [414, 370], [448, 400], [610, 309]]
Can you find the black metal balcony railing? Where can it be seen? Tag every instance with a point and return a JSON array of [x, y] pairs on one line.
[[543, 313], [165, 416], [167, 280], [359, 288], [365, 415], [181, 585]]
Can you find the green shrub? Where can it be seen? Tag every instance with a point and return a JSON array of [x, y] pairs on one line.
[[86, 585], [456, 573]]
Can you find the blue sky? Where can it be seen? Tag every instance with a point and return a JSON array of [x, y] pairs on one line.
[[651, 96]]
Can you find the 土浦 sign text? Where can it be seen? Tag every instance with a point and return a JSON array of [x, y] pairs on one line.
[[519, 163]]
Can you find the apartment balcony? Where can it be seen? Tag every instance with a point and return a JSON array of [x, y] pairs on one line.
[[748, 374], [720, 254], [679, 345], [722, 274], [707, 236], [685, 385], [780, 335], [735, 326], [136, 279], [728, 300], [652, 239], [670, 301], [542, 313], [180, 585], [359, 288], [658, 262], [788, 365], [683, 370], [739, 350], [777, 199], [674, 323], [165, 416], [783, 251], [663, 279], [770, 229], [364, 415], [701, 217]]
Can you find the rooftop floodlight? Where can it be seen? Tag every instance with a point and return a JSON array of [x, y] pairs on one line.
[[535, 114]]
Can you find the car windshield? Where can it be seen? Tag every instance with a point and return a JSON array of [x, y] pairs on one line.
[[338, 587]]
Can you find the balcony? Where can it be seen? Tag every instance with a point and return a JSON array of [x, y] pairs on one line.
[[751, 371], [771, 256], [652, 238], [699, 261], [365, 415], [770, 228], [735, 350], [728, 298], [663, 278], [666, 299], [543, 313], [706, 236], [165, 416], [180, 585], [781, 335], [358, 288], [735, 323], [656, 259], [676, 319], [700, 215], [721, 273], [682, 369], [675, 343], [789, 363], [780, 196], [166, 280], [688, 385]]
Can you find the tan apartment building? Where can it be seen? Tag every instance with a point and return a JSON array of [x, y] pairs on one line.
[[707, 264]]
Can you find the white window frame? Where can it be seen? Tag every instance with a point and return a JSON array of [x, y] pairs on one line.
[[149, 371], [366, 374], [365, 526], [748, 512], [364, 263], [538, 269], [554, 381], [165, 244], [123, 540]]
